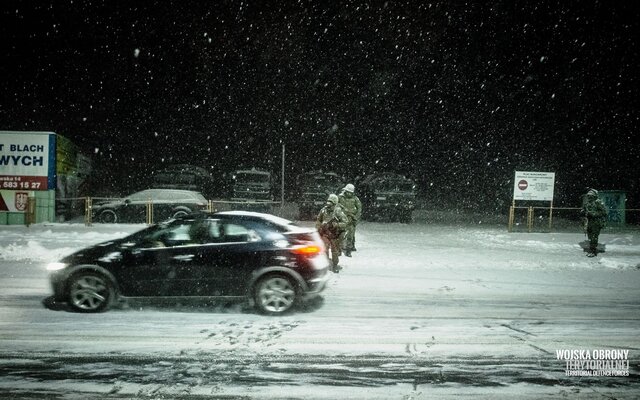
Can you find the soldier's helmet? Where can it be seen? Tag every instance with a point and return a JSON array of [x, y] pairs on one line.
[[333, 199], [349, 188], [592, 193]]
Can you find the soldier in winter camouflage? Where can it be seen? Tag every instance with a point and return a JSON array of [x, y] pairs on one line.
[[595, 215], [353, 209], [331, 223]]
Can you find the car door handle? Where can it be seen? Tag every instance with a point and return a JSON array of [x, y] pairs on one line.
[[183, 257]]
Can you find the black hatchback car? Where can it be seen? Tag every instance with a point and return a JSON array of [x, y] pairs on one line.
[[269, 260]]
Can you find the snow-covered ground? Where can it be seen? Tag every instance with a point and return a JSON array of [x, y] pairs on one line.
[[420, 311]]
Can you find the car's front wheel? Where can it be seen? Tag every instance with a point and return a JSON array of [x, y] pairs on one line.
[[108, 217], [89, 292], [275, 294]]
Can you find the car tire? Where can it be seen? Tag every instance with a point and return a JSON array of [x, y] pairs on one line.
[[108, 217], [89, 292], [275, 294], [180, 213]]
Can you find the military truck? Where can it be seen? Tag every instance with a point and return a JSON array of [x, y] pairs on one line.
[[251, 185], [251, 190], [185, 177], [313, 189], [387, 196]]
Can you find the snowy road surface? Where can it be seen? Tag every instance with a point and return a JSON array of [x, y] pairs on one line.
[[419, 312]]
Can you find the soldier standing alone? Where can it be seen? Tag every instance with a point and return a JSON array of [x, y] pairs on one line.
[[353, 209], [331, 223], [595, 214]]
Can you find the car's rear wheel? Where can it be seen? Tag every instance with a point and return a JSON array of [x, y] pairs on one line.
[[275, 294], [89, 292], [108, 217]]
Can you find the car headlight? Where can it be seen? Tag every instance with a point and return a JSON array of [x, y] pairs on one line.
[[55, 266]]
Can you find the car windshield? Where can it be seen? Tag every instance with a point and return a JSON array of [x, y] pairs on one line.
[[251, 178], [199, 197], [395, 186], [174, 178], [320, 181]]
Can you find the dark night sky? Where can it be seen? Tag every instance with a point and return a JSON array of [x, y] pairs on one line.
[[455, 95]]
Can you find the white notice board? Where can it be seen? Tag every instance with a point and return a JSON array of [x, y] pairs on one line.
[[530, 185]]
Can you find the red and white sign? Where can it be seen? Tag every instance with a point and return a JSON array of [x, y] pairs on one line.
[[523, 184], [14, 201], [22, 199], [534, 185]]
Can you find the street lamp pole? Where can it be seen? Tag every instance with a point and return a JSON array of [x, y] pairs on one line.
[[282, 182]]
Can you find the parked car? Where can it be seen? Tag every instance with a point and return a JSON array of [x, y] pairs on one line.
[[167, 203], [234, 254]]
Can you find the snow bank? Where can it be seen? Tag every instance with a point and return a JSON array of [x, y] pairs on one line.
[[432, 246]]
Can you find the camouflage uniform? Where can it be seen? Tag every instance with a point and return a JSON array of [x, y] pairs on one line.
[[331, 223], [353, 209], [595, 213]]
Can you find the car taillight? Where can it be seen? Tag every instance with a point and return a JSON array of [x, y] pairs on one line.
[[307, 250]]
